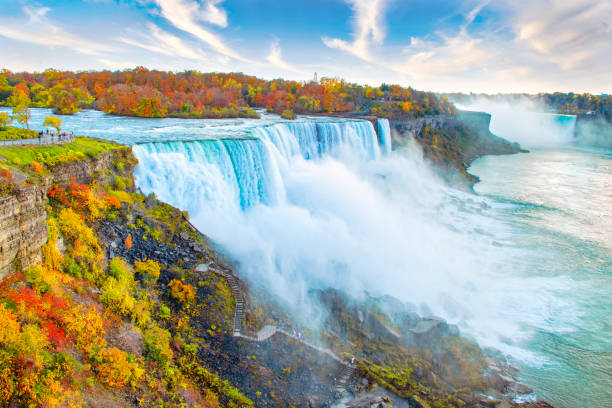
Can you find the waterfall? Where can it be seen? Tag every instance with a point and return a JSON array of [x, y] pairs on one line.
[[248, 170], [313, 140], [524, 123], [384, 134], [533, 129], [314, 204]]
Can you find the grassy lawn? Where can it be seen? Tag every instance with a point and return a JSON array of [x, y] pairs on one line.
[[11, 132], [52, 155]]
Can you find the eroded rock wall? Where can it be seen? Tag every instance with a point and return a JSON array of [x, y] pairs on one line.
[[23, 228], [23, 218]]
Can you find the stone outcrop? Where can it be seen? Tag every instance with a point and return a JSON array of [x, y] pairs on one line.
[[452, 142], [23, 228], [23, 219]]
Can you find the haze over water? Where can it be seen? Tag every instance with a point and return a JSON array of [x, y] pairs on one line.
[[524, 267]]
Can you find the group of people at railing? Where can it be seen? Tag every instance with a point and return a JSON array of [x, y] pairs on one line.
[[60, 135]]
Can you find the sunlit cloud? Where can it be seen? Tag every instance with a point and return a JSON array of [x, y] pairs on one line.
[[39, 29], [187, 15], [213, 14], [368, 28], [275, 58], [550, 45], [573, 34], [164, 43]]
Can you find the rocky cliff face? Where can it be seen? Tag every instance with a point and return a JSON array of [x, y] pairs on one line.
[[23, 228], [452, 142]]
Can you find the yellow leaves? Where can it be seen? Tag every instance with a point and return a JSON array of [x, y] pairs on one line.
[[54, 122], [149, 270], [33, 341], [121, 196], [86, 327], [80, 239], [115, 369], [117, 290], [116, 296], [406, 106], [9, 327]]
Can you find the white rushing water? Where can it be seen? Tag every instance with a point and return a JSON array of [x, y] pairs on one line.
[[521, 122], [315, 205], [384, 134]]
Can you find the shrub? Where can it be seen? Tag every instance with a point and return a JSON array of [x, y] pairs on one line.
[[71, 267], [115, 369], [183, 293], [6, 174], [86, 327], [157, 345], [120, 270], [164, 312], [288, 114], [111, 202], [36, 167], [121, 183], [117, 289], [128, 241], [149, 270], [116, 296], [81, 242]]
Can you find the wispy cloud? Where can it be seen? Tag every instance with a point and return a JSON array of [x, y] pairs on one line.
[[573, 34], [447, 57], [213, 14], [186, 15], [164, 43], [275, 57], [369, 28], [117, 65], [544, 44], [39, 29]]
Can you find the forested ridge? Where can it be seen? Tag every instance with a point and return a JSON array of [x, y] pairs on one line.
[[148, 93]]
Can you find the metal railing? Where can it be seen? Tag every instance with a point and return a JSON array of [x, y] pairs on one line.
[[43, 140]]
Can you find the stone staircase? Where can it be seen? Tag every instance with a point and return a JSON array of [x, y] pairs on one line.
[[239, 309], [343, 380]]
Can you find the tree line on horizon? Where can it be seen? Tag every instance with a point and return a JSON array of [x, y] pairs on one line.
[[150, 93]]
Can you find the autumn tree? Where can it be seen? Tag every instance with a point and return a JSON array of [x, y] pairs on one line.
[[22, 114], [54, 122], [5, 120]]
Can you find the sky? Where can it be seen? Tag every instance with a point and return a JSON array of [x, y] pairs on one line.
[[436, 45]]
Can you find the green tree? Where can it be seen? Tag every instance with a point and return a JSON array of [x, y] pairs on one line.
[[53, 121]]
